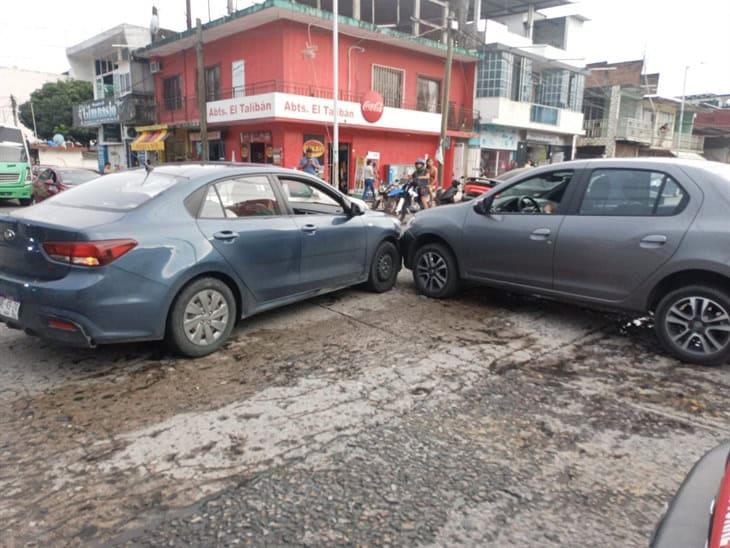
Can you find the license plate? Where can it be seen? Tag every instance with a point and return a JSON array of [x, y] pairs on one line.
[[9, 308]]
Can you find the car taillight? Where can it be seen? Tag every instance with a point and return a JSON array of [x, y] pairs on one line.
[[97, 253]]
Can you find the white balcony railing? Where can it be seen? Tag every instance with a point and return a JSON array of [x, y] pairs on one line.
[[640, 131]]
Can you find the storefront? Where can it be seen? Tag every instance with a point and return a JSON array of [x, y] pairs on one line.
[[499, 147], [149, 145], [278, 128], [544, 148], [216, 148]]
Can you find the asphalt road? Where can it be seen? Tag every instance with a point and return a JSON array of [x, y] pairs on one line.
[[358, 419]]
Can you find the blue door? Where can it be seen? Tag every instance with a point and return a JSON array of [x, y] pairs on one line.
[[244, 220]]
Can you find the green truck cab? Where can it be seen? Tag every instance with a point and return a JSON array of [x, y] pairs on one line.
[[15, 177]]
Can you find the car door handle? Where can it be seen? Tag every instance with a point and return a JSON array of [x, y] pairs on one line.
[[309, 229], [653, 241], [226, 235], [540, 234]]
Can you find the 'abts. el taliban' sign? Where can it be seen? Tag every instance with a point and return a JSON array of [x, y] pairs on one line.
[[372, 106]]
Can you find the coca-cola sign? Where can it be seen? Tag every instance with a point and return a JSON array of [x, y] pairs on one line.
[[372, 106]]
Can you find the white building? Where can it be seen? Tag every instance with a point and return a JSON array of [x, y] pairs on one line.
[[123, 90], [20, 83], [529, 91]]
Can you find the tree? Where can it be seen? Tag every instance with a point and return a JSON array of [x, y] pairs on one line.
[[53, 106]]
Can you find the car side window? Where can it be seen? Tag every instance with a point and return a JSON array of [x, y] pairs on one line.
[[248, 197], [212, 207], [305, 198], [632, 192], [539, 195], [44, 175]]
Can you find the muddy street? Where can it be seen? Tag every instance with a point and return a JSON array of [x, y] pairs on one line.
[[358, 419]]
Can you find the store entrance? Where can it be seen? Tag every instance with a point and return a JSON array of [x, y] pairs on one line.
[[258, 153], [344, 163]]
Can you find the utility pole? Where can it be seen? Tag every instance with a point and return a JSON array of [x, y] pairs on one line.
[[202, 110], [32, 113], [188, 16], [335, 86], [681, 111], [445, 95]]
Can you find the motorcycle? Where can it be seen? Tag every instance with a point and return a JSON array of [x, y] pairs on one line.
[[408, 200], [381, 196], [451, 195]]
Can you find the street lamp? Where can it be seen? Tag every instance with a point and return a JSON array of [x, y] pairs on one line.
[[684, 97]]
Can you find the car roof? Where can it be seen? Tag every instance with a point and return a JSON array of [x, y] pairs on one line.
[[195, 170], [647, 161]]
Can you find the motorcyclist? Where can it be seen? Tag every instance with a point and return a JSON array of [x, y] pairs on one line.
[[422, 180]]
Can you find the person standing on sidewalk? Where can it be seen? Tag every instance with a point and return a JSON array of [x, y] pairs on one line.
[[369, 176]]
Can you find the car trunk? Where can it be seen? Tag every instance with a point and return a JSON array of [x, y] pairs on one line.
[[22, 237]]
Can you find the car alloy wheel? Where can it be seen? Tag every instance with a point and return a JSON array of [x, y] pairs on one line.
[[385, 266], [699, 325], [432, 271], [206, 317]]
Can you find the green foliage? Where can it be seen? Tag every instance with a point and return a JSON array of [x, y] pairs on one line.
[[53, 105]]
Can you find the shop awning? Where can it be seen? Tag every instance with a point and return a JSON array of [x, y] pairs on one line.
[[150, 140]]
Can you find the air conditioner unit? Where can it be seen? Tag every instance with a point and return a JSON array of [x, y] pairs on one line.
[[131, 133], [155, 67]]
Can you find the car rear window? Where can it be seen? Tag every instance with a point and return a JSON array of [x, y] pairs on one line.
[[77, 176], [119, 191]]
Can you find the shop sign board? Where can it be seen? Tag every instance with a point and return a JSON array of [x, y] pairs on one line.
[[316, 109], [315, 143], [372, 106], [545, 138], [498, 138]]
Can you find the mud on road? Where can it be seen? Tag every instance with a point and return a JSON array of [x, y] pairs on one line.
[[357, 419]]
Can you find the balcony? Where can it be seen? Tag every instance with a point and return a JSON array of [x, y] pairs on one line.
[[641, 132], [541, 114], [502, 111], [183, 111]]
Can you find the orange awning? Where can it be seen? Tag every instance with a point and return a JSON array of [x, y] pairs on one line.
[[150, 140]]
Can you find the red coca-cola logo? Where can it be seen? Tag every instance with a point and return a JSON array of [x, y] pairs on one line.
[[372, 106]]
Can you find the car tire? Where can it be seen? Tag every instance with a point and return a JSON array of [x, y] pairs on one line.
[[25, 202], [384, 268], [212, 303], [693, 324], [435, 271]]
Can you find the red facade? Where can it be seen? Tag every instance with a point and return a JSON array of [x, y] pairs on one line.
[[277, 60]]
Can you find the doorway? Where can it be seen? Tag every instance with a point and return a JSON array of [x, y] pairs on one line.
[[343, 160], [258, 153]]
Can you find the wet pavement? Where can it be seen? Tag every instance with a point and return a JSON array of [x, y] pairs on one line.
[[358, 419]]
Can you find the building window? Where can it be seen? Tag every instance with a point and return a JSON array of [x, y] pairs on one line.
[[428, 92], [104, 78], [213, 83], [494, 74], [123, 83], [576, 91], [172, 96], [521, 79], [238, 78], [389, 83], [555, 88], [544, 115]]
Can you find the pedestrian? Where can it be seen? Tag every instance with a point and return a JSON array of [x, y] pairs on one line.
[[107, 168], [421, 178], [433, 175], [369, 176], [309, 163]]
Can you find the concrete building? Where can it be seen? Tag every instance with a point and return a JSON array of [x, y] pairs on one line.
[[123, 90], [529, 90], [714, 126], [268, 72], [624, 116]]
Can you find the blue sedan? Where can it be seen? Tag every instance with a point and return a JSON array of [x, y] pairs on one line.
[[181, 252]]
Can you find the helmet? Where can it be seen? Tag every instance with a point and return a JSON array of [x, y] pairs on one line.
[[421, 161]]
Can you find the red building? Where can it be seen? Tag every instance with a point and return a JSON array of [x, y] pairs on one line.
[[268, 72]]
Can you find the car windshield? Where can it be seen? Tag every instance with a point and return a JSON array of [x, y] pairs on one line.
[[76, 176], [119, 191], [12, 152]]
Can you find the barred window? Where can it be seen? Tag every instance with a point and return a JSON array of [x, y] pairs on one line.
[[555, 88], [171, 93], [428, 92], [389, 83], [494, 74]]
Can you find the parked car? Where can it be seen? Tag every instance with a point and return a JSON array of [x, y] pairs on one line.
[[699, 514], [637, 235], [182, 252], [476, 186], [50, 180]]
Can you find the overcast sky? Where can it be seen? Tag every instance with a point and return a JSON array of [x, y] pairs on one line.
[[35, 33]]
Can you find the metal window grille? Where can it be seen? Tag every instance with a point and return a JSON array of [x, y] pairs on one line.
[[389, 83]]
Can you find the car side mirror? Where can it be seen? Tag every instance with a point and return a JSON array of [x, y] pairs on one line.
[[483, 207], [355, 209]]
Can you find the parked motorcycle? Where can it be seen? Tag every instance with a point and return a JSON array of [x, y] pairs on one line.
[[450, 195], [381, 196]]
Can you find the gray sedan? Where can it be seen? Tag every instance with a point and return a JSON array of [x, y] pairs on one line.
[[638, 235]]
